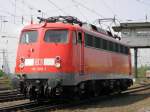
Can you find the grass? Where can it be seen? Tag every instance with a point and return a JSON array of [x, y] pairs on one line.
[[5, 82]]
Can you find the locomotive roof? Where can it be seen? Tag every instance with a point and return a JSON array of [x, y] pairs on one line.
[[61, 25], [51, 25]]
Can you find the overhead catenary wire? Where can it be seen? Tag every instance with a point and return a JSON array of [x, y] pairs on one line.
[[91, 10], [16, 7], [106, 5], [112, 11], [78, 8], [9, 16], [29, 6], [32, 9], [20, 18], [143, 2], [87, 8], [60, 9]]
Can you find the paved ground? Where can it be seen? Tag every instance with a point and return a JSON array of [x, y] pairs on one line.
[[12, 103], [137, 102]]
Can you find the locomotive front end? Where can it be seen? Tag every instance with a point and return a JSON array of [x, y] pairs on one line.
[[42, 60]]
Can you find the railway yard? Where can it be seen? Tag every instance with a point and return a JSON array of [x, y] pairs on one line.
[[102, 82], [77, 81], [74, 56], [135, 99]]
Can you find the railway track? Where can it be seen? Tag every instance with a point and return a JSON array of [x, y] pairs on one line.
[[137, 89], [141, 85], [38, 107], [18, 107], [10, 95]]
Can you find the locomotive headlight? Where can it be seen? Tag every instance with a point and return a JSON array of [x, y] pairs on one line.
[[21, 65], [22, 60], [57, 65], [57, 62]]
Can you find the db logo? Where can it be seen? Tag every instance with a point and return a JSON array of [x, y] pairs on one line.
[[38, 62]]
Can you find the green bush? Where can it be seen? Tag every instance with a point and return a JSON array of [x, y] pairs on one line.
[[1, 73], [142, 70]]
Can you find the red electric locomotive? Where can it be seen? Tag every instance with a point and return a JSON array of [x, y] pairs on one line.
[[61, 55]]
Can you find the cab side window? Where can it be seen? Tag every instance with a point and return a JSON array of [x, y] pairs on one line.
[[74, 37], [79, 37]]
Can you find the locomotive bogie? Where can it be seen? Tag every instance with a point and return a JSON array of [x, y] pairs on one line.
[[44, 88]]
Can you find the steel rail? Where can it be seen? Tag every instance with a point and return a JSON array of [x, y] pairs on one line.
[[11, 98], [10, 95], [35, 107], [17, 107], [141, 85]]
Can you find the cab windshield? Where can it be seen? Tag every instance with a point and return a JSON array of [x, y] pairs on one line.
[[56, 36], [28, 37]]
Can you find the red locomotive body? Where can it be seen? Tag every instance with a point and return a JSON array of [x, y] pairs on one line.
[[57, 57]]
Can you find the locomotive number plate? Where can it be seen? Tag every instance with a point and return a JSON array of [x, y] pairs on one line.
[[40, 62]]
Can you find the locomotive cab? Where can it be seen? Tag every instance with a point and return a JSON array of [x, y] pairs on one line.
[[45, 57]]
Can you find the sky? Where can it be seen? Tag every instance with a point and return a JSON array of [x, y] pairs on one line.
[[15, 14]]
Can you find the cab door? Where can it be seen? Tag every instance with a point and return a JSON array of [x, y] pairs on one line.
[[80, 43]]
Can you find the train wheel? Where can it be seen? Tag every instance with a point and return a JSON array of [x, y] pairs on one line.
[[124, 85], [21, 86], [118, 87], [77, 93], [32, 93]]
